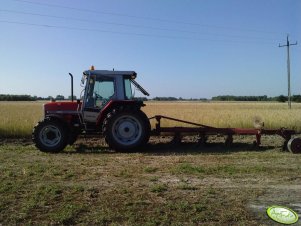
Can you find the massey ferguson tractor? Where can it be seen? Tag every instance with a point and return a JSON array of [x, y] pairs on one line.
[[107, 107]]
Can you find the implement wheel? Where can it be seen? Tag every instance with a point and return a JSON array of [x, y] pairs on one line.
[[294, 145]]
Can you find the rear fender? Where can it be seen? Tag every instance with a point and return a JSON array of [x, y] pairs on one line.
[[116, 104]]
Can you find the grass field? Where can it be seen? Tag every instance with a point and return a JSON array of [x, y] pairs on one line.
[[91, 185], [230, 114], [163, 184], [18, 118]]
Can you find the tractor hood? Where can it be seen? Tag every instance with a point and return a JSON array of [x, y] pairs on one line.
[[61, 106]]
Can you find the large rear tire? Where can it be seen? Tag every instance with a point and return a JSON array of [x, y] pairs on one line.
[[50, 135], [126, 129]]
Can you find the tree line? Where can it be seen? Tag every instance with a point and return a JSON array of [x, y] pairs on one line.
[[6, 97], [281, 98], [10, 97], [178, 99]]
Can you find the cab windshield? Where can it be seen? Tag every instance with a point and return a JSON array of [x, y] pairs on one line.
[[99, 92]]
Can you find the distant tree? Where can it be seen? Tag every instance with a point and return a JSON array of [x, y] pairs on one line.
[[60, 97], [141, 98], [281, 98], [296, 98], [165, 98], [240, 98], [74, 97], [8, 97]]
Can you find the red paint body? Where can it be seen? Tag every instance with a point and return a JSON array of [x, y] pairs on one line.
[[61, 106], [71, 111], [66, 111]]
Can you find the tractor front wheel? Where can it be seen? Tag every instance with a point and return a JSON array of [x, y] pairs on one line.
[[126, 129], [49, 136]]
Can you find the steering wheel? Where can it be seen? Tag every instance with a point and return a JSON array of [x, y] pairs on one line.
[[97, 96]]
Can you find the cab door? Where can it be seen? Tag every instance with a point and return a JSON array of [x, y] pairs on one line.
[[99, 92]]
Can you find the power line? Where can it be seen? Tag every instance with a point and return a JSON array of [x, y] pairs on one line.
[[131, 25], [146, 18], [126, 33]]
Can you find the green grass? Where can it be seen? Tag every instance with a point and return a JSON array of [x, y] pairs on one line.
[[101, 187], [188, 168], [149, 169], [158, 188], [222, 170]]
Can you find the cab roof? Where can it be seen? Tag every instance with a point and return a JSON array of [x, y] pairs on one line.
[[129, 74]]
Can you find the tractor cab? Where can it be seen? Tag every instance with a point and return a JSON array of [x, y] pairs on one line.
[[103, 87]]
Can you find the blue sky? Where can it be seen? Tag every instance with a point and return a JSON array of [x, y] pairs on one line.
[[187, 48]]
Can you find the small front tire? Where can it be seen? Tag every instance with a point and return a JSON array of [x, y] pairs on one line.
[[49, 136]]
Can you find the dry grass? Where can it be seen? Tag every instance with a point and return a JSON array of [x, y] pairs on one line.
[[18, 118], [96, 186], [229, 114]]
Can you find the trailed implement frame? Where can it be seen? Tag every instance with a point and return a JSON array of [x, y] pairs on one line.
[[203, 131]]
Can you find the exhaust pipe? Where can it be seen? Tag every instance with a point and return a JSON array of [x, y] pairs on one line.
[[71, 86]]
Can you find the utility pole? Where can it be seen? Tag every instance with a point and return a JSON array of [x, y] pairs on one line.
[[288, 70]]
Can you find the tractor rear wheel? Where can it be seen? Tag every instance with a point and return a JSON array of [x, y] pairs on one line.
[[49, 136], [126, 129]]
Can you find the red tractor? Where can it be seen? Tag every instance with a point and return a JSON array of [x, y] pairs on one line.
[[107, 107]]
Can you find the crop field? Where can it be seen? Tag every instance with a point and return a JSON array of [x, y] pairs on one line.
[[18, 118], [163, 184], [233, 114]]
